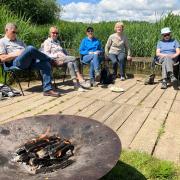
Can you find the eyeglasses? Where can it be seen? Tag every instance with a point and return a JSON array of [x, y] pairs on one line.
[[54, 32], [90, 31], [165, 35]]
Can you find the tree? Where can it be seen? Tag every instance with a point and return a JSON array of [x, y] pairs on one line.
[[39, 11]]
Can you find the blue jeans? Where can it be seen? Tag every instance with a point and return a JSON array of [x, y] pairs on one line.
[[94, 60], [32, 58], [120, 60]]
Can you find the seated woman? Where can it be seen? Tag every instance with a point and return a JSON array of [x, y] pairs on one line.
[[116, 49], [91, 52], [53, 49], [167, 53]]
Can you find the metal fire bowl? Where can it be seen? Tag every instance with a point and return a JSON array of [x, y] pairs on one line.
[[97, 147]]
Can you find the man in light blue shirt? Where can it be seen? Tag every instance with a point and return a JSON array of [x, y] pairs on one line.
[[167, 52], [91, 51]]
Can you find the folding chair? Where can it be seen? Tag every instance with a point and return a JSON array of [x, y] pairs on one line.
[[12, 70], [176, 67]]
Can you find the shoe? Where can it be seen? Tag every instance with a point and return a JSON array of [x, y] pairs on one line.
[[85, 84], [122, 78], [164, 85], [97, 76], [79, 89], [93, 83], [51, 93]]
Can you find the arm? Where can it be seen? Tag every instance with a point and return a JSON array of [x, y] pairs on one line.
[[10, 56], [82, 49], [161, 55], [108, 45], [127, 49]]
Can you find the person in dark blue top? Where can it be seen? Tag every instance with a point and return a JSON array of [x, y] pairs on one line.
[[167, 52], [91, 52]]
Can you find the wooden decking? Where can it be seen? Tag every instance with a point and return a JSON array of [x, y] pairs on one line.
[[146, 118]]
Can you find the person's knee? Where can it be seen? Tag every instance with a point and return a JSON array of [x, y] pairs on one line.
[[70, 65], [31, 48]]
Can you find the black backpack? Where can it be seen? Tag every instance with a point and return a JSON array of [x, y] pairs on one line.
[[106, 76]]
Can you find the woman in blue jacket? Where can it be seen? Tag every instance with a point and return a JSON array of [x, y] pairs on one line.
[[91, 52]]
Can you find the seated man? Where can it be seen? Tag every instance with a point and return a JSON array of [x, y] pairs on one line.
[[167, 53], [13, 52], [52, 48], [91, 51]]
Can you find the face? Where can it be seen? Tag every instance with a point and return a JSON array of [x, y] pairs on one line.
[[167, 36], [54, 33], [11, 33], [119, 29], [90, 34]]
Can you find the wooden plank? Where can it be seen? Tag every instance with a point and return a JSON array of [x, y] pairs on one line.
[[178, 96], [105, 112], [84, 102], [146, 137], [26, 107], [166, 100], [131, 126], [16, 99], [138, 97], [119, 116], [168, 147], [175, 107], [153, 97], [21, 104], [42, 107], [128, 94], [64, 104], [92, 108], [113, 95]]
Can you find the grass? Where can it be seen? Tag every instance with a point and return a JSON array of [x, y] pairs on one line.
[[134, 165]]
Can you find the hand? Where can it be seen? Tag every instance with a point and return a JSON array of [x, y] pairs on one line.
[[129, 58], [91, 52], [18, 52], [97, 52]]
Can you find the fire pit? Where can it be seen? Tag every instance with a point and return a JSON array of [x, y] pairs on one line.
[[96, 148]]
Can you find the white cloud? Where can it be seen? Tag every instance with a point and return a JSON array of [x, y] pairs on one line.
[[109, 10]]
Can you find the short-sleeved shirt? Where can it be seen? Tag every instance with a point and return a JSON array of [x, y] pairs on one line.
[[52, 48], [168, 47], [9, 46]]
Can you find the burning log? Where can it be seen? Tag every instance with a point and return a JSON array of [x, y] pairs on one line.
[[44, 154]]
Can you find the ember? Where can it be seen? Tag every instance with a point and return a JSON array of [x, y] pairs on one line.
[[45, 154]]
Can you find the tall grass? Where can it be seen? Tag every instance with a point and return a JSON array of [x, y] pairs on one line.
[[142, 36]]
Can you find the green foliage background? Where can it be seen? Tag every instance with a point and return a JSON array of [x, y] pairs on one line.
[[142, 36]]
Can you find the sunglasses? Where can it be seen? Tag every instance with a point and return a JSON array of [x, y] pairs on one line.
[[54, 32], [90, 31], [165, 35]]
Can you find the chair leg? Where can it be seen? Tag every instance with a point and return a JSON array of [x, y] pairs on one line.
[[65, 71], [29, 77], [5, 77], [17, 80]]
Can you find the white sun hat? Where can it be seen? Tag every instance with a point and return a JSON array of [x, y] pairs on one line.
[[165, 30]]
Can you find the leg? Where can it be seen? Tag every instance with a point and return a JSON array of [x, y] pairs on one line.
[[114, 61], [87, 60], [71, 70], [122, 63], [45, 68], [28, 57]]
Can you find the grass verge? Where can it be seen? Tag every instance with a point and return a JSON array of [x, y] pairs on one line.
[[140, 166]]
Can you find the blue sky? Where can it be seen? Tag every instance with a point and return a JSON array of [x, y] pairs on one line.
[[117, 10], [64, 2]]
